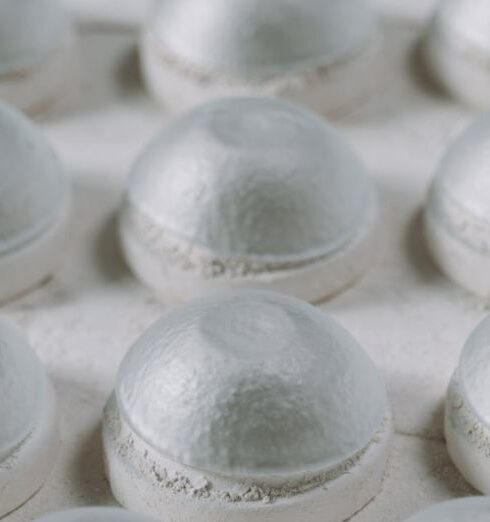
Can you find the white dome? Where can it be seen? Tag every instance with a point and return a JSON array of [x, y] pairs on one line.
[[474, 371], [22, 389], [251, 383], [94, 514], [257, 36], [254, 177], [458, 50], [29, 31], [471, 509], [468, 22], [461, 190], [33, 189]]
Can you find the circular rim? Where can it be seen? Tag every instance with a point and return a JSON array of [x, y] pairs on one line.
[[344, 496]]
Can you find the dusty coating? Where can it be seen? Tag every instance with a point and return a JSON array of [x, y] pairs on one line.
[[459, 195], [33, 189], [463, 419], [29, 31], [257, 38], [95, 514], [474, 372], [251, 383], [253, 177], [176, 479], [22, 389], [208, 263], [471, 509]]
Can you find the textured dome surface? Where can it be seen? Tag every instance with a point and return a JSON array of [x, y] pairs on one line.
[[29, 31], [257, 36], [94, 515], [257, 177], [251, 383], [22, 388], [474, 370], [474, 509], [33, 188], [462, 183], [466, 22]]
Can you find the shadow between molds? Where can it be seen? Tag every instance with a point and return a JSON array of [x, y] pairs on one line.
[[421, 73], [107, 72], [109, 256], [95, 224], [416, 248]]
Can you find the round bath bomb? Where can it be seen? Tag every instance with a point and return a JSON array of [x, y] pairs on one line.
[[247, 405], [468, 410], [94, 514], [458, 50], [248, 192], [324, 53], [35, 52], [458, 214], [471, 509], [34, 205], [28, 424]]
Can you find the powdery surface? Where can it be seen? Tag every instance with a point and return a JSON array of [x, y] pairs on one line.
[[409, 318]]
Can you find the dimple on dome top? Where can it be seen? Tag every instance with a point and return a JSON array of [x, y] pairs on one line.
[[94, 514], [29, 31], [257, 36], [255, 177], [462, 183], [22, 389], [251, 383], [471, 509], [33, 188], [467, 21], [474, 371]]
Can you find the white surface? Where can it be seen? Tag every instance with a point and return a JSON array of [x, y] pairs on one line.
[[110, 13], [255, 37], [467, 415], [467, 437], [339, 89], [217, 369], [33, 186], [459, 50], [30, 31], [25, 471], [457, 215], [94, 514], [461, 510], [146, 482], [474, 368], [22, 391], [411, 320], [258, 187]]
